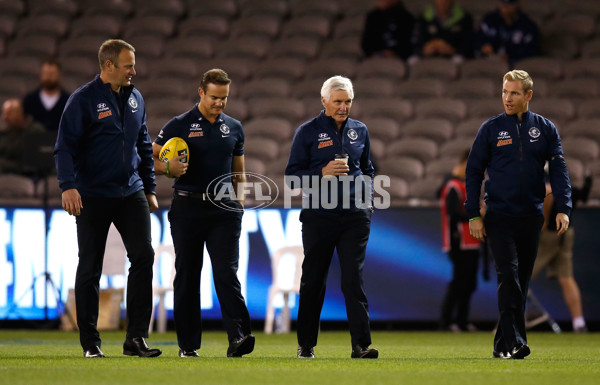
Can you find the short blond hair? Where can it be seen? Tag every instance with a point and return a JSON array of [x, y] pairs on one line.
[[521, 75]]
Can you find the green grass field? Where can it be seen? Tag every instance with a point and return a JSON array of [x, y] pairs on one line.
[[53, 357]]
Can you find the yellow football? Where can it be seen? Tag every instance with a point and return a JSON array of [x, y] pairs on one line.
[[174, 147]]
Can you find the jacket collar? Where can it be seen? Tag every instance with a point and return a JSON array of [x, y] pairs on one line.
[[328, 120], [126, 91], [198, 115], [526, 116]]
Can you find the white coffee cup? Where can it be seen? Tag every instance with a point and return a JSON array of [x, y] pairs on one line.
[[342, 157]]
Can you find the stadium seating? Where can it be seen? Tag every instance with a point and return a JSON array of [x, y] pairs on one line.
[[223, 8], [43, 25], [278, 52], [423, 149], [274, 128], [17, 190], [192, 47], [393, 70], [277, 8], [80, 66], [581, 148], [260, 25], [367, 88], [383, 128], [407, 168], [425, 88], [208, 25], [425, 188], [343, 48], [473, 87], [440, 130], [94, 25], [443, 69], [454, 110], [440, 167]]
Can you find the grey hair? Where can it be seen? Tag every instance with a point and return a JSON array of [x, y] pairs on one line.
[[336, 83]]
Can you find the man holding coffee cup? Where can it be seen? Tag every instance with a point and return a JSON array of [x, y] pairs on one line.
[[330, 160]]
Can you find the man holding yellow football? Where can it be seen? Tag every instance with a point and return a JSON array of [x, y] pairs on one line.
[[199, 216]]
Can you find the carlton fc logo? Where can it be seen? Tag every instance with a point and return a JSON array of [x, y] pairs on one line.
[[133, 103], [224, 129], [534, 132], [352, 134]]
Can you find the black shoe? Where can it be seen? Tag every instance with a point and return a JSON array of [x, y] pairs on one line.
[[362, 352], [94, 352], [136, 346], [188, 353], [520, 352], [240, 346], [305, 352], [503, 355]]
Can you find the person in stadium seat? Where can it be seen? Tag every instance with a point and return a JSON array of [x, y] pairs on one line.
[[105, 169], [388, 30], [508, 33], [513, 148], [15, 133], [444, 29], [46, 103]]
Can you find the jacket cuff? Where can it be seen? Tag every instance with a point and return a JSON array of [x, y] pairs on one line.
[[67, 186], [473, 213]]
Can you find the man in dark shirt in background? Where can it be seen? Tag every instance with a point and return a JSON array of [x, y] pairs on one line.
[[444, 29], [388, 30], [46, 103], [508, 33]]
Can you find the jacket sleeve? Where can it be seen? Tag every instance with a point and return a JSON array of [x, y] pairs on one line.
[[67, 148], [476, 166], [299, 163], [146, 167], [559, 175], [365, 160]]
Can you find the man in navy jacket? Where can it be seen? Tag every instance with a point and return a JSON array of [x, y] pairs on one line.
[[337, 220], [513, 147], [105, 169], [509, 33]]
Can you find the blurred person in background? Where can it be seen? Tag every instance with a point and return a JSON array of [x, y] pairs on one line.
[[16, 132], [508, 33], [388, 30], [462, 249], [444, 29], [46, 103], [555, 253]]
